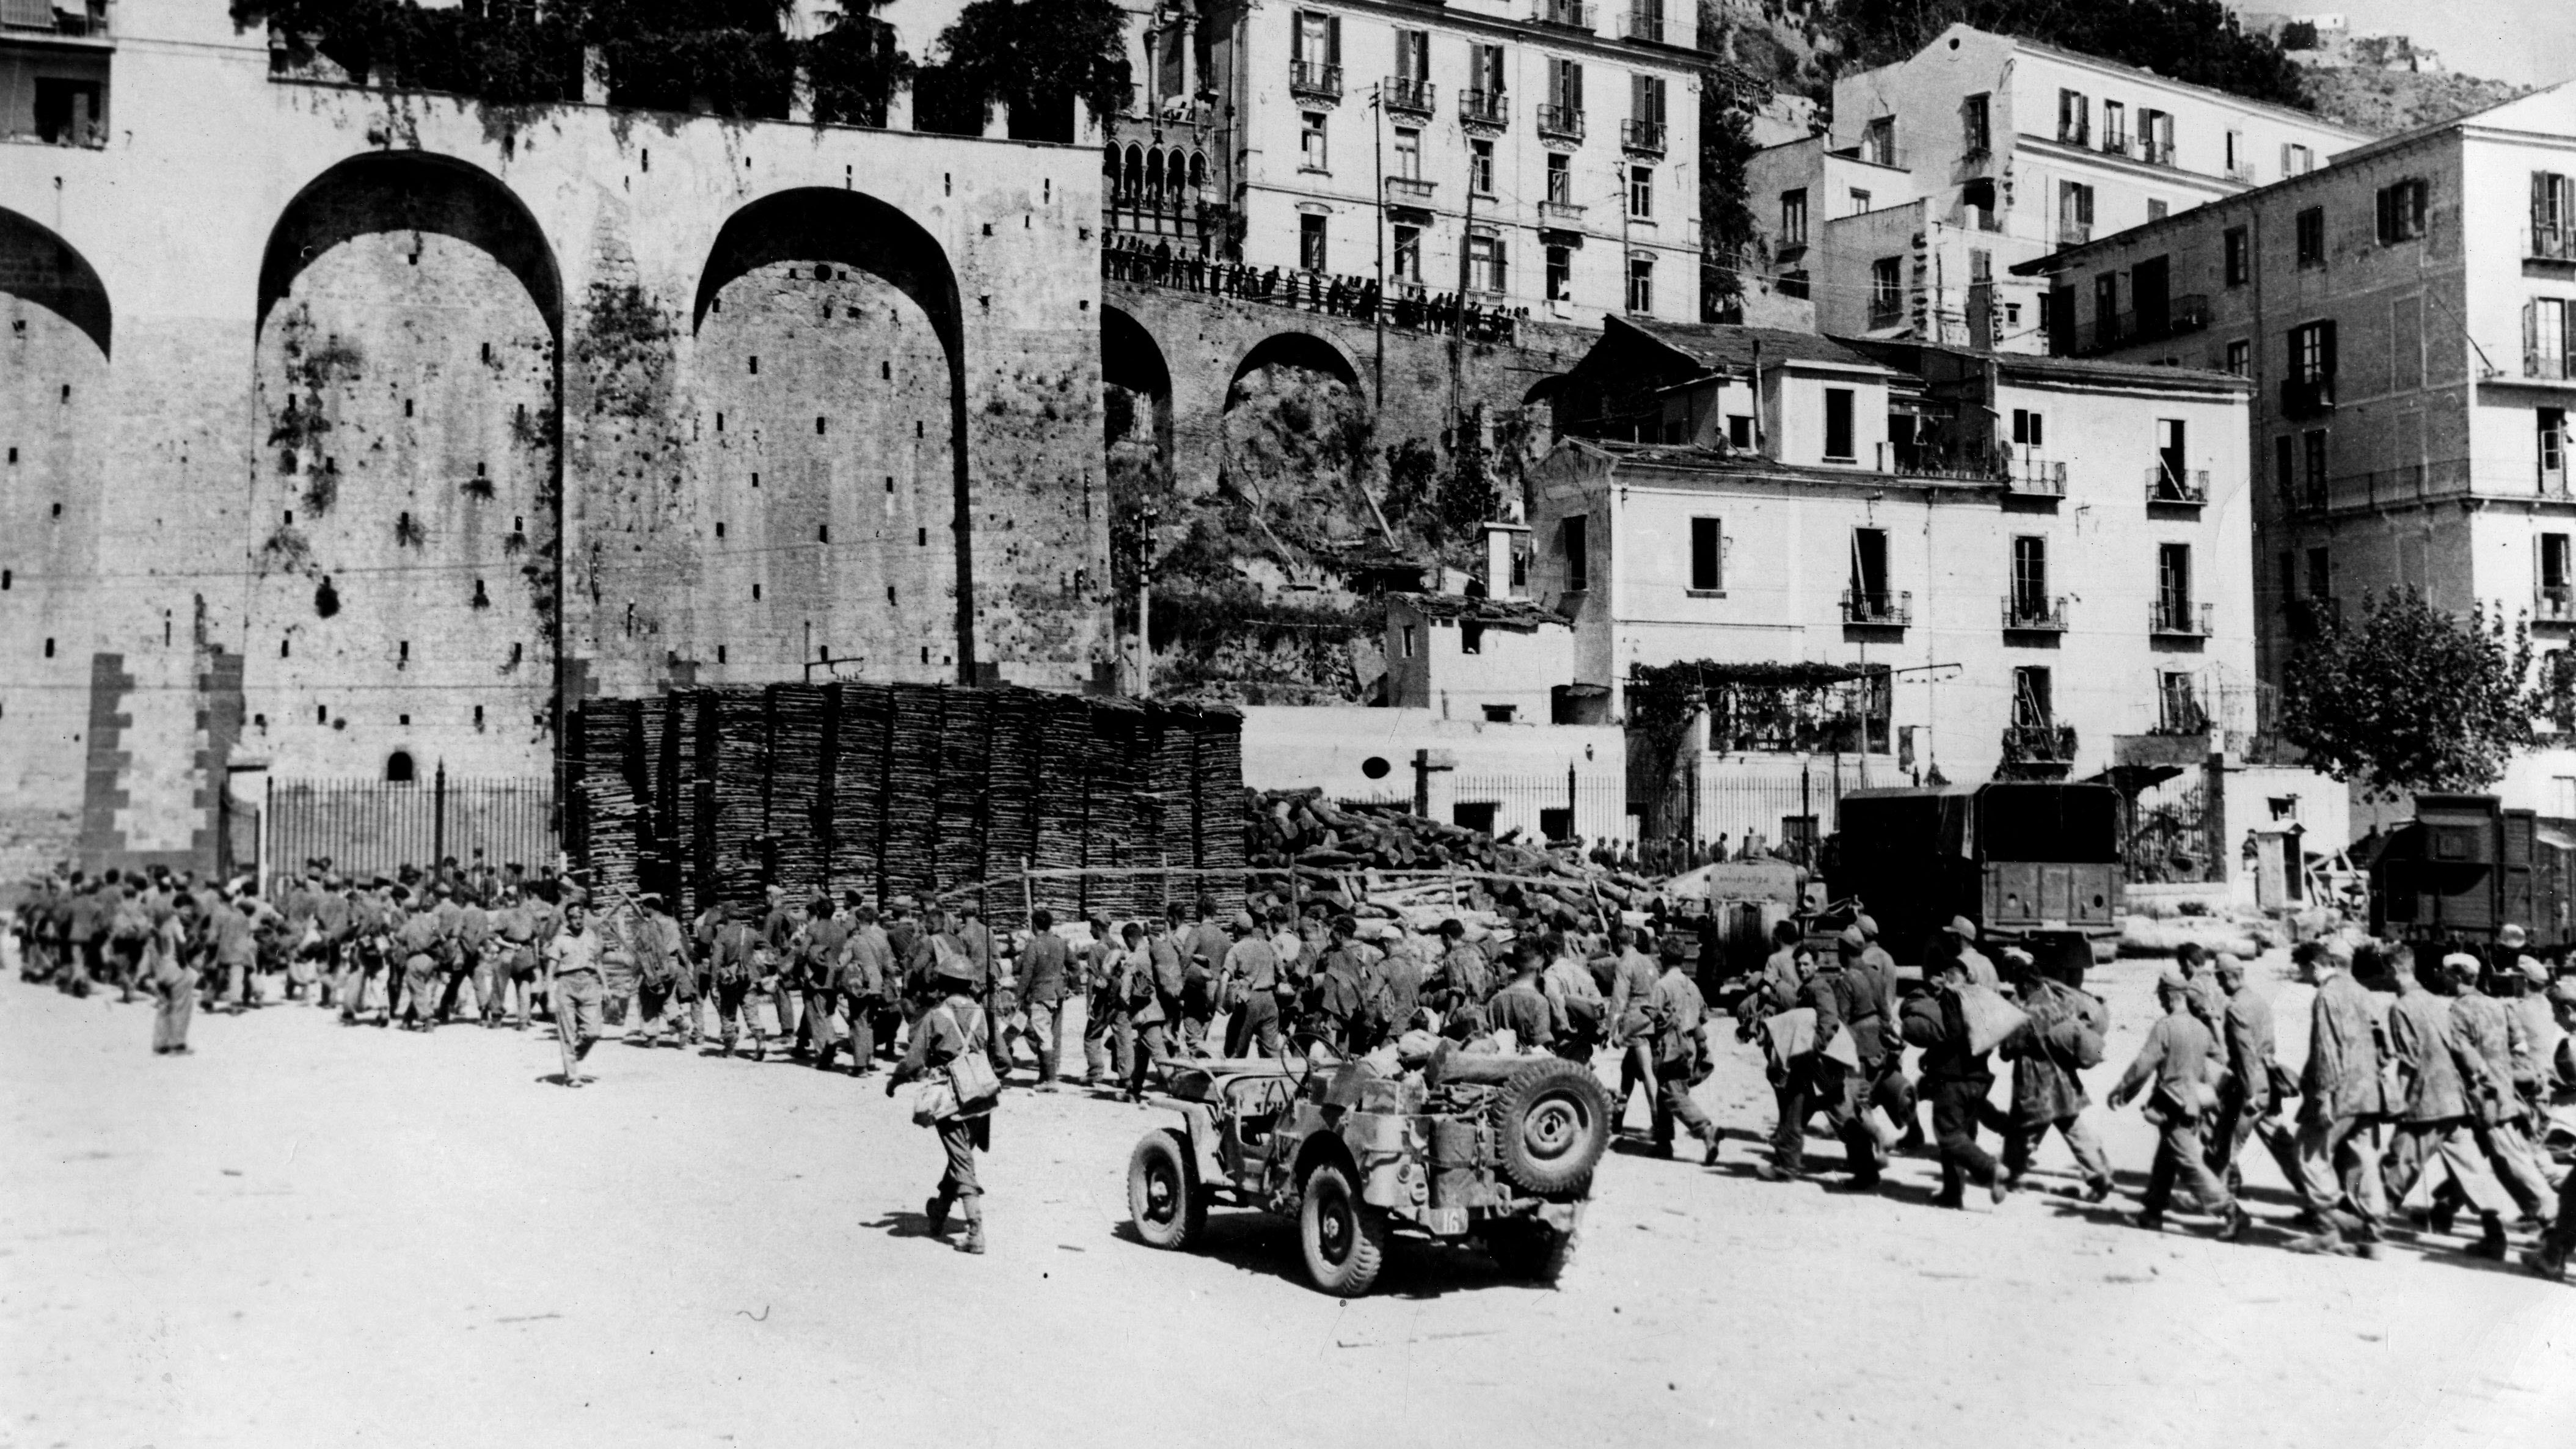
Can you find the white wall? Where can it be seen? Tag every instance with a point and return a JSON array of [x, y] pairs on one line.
[[1296, 747]]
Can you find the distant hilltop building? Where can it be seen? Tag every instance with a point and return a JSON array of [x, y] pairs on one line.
[[2327, 41]]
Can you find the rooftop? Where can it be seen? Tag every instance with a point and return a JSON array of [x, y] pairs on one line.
[[1725, 347], [2077, 57], [2071, 371], [1509, 613]]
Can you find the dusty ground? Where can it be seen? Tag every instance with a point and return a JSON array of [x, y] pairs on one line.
[[310, 1235]]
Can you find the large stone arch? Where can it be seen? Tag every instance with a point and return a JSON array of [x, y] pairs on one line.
[[1130, 358], [1308, 350], [818, 304], [1297, 444], [56, 328], [407, 474]]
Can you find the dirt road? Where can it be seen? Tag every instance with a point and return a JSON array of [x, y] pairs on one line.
[[311, 1235]]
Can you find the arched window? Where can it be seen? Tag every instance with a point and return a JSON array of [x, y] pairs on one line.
[[1135, 186], [1198, 171], [1109, 169], [1154, 174], [398, 768], [1176, 166]]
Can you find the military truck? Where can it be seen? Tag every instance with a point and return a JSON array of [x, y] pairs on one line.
[[1495, 1149], [2033, 863], [2464, 868]]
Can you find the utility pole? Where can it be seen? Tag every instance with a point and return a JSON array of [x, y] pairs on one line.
[[1458, 304], [1377, 108]]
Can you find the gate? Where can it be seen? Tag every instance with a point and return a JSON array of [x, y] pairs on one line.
[[375, 827]]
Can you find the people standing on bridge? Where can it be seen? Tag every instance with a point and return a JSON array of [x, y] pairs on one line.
[[2177, 1062], [950, 1040]]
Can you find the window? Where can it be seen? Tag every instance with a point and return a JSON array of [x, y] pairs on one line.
[[2296, 160], [1565, 90], [2155, 137], [1315, 40], [1310, 141], [2032, 707], [2312, 450], [2115, 126], [2240, 358], [2074, 118], [1408, 254], [1408, 152], [2401, 212], [1560, 179], [2320, 574], [1646, 108], [1708, 555], [2285, 470], [1869, 573], [2553, 216], [1485, 270], [2029, 428], [1859, 202], [2158, 210], [1739, 430], [1886, 290], [1578, 559], [2547, 346], [1981, 265], [1310, 243], [2311, 226], [2012, 317], [1641, 192], [1641, 284], [1408, 641], [1485, 76], [2236, 161], [2555, 566], [2029, 577], [1560, 274], [2312, 352], [2178, 709], [2171, 455], [1413, 57], [399, 769], [2553, 447], [2239, 258], [1471, 636], [1480, 166], [1501, 713], [1878, 140], [1976, 123], [2074, 211], [1838, 423], [2173, 584], [1793, 218]]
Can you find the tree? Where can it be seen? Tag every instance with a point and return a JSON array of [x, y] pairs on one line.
[[2414, 699], [1033, 53], [1725, 216]]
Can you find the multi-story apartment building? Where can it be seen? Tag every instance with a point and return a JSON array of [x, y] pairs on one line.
[[1540, 155], [1942, 172], [1955, 563], [2404, 316]]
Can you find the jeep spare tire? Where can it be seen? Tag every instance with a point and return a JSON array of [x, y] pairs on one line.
[[1551, 1125]]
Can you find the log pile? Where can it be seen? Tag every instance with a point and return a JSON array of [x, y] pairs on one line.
[[1380, 861]]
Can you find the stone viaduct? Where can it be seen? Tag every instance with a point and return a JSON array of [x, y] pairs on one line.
[[345, 431]]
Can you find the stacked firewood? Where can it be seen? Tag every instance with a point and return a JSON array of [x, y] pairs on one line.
[[1380, 861]]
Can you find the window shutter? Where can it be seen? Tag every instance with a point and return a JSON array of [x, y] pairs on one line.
[[1574, 85], [2329, 329], [2285, 160], [1333, 40], [2530, 333], [2539, 199], [1297, 37]]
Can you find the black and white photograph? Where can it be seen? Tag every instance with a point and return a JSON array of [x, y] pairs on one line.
[[1826, 723]]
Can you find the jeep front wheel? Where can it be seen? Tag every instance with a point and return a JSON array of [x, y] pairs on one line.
[[1344, 1239], [1163, 1191]]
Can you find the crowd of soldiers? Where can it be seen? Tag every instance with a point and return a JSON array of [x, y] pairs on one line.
[[2432, 1098]]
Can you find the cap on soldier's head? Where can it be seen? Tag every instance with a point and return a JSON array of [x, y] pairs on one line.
[[1962, 927], [1243, 922], [2460, 963], [1866, 925], [2532, 970], [2170, 979], [2513, 937], [955, 968], [1851, 939]]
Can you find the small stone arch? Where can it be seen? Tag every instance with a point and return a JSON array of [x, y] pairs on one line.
[[1298, 349], [39, 267]]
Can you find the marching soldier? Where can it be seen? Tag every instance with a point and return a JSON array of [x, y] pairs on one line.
[[575, 967], [953, 1029]]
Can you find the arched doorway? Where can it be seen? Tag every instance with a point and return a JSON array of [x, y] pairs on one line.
[[829, 392], [408, 451], [56, 327]]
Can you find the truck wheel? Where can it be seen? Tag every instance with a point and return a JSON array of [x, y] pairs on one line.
[[1163, 1191], [1528, 1249], [1344, 1239], [1551, 1124]]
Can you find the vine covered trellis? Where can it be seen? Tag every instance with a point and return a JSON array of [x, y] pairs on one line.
[[1760, 706]]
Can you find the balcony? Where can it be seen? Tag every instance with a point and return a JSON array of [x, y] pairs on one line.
[[1564, 211], [2180, 716], [2554, 604], [2548, 366], [55, 19], [2073, 233], [2179, 619], [2033, 614], [1880, 610], [2553, 243], [1886, 309], [1315, 79], [2038, 477], [1564, 122], [2079, 133], [1402, 190], [1413, 97], [2242, 171], [2156, 153], [1644, 21], [2307, 397], [1563, 14], [2039, 744], [2183, 487], [1491, 109], [1646, 138], [2116, 145]]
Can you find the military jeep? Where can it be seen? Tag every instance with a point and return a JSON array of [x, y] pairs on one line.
[[1499, 1149]]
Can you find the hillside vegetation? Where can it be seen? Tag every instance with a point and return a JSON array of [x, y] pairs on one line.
[[2385, 102]]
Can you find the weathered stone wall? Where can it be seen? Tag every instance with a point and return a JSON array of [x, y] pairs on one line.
[[256, 241]]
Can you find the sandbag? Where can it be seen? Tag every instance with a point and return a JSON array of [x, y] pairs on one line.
[[1990, 1018]]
